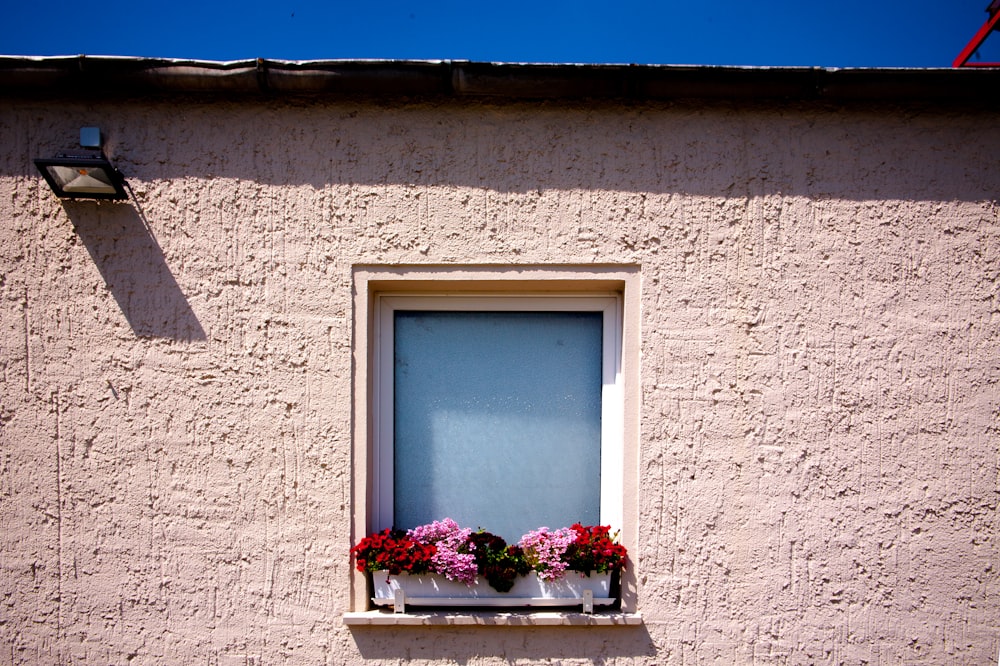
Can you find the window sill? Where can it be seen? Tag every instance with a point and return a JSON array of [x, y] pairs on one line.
[[492, 619]]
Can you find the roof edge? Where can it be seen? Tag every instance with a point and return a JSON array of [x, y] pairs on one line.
[[111, 76]]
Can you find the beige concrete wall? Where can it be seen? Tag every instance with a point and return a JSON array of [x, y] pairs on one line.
[[819, 363]]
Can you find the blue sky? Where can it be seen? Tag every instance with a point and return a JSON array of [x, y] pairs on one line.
[[850, 33]]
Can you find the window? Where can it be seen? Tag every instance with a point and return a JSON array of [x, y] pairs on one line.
[[500, 411], [505, 397]]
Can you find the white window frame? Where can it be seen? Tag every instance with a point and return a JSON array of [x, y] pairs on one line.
[[612, 394]]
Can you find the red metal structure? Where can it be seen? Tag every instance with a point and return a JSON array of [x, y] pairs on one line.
[[993, 23]]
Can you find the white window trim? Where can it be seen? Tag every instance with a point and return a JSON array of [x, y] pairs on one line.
[[369, 281], [612, 394]]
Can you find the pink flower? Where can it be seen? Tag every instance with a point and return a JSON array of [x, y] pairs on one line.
[[544, 550], [454, 558]]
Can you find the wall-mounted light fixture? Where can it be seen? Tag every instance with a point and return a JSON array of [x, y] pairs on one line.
[[83, 173]]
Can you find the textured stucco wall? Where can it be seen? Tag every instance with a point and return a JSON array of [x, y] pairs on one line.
[[819, 365]]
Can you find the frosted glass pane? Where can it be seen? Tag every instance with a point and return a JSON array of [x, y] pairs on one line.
[[497, 419]]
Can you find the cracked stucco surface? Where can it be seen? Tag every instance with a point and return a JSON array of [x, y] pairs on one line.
[[820, 357]]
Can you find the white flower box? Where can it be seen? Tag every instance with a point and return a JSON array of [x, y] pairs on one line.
[[573, 589]]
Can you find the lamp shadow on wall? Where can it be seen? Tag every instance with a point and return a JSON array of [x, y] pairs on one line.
[[134, 269]]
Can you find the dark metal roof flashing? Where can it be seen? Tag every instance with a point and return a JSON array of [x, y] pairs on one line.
[[107, 76]]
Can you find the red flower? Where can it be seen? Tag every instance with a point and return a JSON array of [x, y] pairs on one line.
[[595, 550], [392, 551]]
